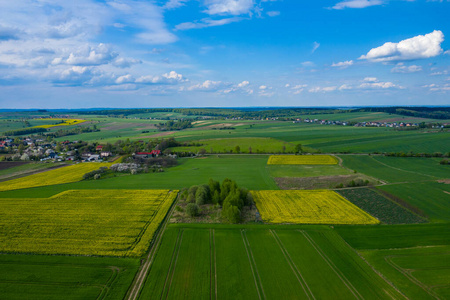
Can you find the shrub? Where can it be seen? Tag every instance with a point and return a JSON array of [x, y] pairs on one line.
[[192, 209]]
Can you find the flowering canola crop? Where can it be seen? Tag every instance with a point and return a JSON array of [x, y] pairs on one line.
[[309, 207], [84, 222], [65, 122], [302, 160], [68, 174]]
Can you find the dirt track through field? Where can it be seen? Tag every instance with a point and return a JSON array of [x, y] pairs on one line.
[[332, 266], [137, 284], [294, 268], [251, 260]]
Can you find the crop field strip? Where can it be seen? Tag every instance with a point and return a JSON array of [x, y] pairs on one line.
[[380, 207], [271, 263], [57, 277], [86, 222], [67, 174], [302, 160], [309, 207]]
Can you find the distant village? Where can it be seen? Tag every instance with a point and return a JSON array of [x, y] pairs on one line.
[[37, 149]]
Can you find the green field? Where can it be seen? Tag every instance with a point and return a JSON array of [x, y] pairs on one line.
[[248, 171], [382, 208], [397, 169], [203, 262], [415, 258], [64, 277], [246, 145], [432, 198]]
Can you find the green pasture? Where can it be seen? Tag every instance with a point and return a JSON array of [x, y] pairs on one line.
[[203, 262], [246, 145], [397, 169], [248, 171], [64, 277], [307, 170], [395, 236], [432, 198], [420, 273], [368, 117]]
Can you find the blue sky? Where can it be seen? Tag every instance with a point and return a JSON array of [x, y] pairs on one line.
[[207, 53]]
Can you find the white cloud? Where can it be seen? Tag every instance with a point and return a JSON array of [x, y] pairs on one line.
[[316, 46], [375, 85], [91, 56], [167, 78], [370, 79], [418, 47], [438, 88], [308, 64], [207, 85], [445, 72], [171, 4], [447, 52], [287, 85], [357, 4], [322, 89], [273, 13], [125, 62], [206, 22], [401, 68], [263, 87], [343, 64], [124, 79], [228, 7], [243, 84]]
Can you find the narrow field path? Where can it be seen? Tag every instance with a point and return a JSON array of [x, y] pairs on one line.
[[139, 280], [252, 262]]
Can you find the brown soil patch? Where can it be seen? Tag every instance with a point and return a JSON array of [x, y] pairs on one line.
[[446, 181], [447, 192], [210, 214], [11, 164], [312, 183], [164, 133]]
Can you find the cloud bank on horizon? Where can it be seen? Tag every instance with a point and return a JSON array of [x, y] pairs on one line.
[[136, 53]]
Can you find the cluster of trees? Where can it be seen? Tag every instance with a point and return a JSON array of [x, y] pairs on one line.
[[24, 131], [96, 174], [73, 131], [353, 183], [227, 195], [174, 125], [412, 154], [421, 112]]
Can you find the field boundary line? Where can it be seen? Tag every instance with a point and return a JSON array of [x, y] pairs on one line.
[[173, 269], [251, 260], [408, 275], [111, 279], [175, 252], [147, 224], [398, 169], [294, 268], [213, 264], [341, 276], [141, 276], [375, 270]]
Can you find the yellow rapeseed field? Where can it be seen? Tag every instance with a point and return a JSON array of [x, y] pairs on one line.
[[61, 175], [66, 122], [302, 160], [84, 222], [309, 207]]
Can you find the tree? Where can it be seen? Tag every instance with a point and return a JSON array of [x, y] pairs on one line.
[[298, 148], [237, 149], [192, 209]]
